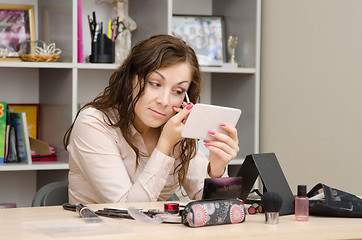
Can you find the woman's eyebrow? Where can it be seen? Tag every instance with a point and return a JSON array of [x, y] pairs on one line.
[[163, 77]]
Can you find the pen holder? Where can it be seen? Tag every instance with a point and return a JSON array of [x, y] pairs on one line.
[[102, 50]]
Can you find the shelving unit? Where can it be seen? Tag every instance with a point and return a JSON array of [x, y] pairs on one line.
[[62, 86], [34, 166]]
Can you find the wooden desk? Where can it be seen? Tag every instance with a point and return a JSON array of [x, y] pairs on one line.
[[54, 222]]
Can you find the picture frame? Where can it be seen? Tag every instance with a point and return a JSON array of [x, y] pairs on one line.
[[17, 24], [32, 116], [205, 34]]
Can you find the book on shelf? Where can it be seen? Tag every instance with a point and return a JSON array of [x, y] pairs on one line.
[[3, 113], [11, 152], [8, 152], [22, 136], [16, 143], [32, 115], [80, 33]]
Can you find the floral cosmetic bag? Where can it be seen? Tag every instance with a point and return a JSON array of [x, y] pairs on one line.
[[213, 212]]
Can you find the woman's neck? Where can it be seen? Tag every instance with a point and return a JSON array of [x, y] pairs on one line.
[[150, 138]]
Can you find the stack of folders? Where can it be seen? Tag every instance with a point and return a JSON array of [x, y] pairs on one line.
[[14, 137]]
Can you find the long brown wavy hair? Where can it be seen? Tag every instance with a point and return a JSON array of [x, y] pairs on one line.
[[146, 56]]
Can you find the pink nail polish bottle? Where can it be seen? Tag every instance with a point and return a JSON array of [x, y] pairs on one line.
[[302, 204]]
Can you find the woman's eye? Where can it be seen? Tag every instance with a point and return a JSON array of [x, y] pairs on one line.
[[179, 91], [155, 84]]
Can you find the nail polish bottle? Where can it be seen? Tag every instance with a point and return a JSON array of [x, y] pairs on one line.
[[302, 204]]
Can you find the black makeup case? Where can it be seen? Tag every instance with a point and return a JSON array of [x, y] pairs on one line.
[[335, 203]]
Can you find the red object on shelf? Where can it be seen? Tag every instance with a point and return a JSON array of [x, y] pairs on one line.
[[41, 151], [52, 157], [44, 158], [7, 205]]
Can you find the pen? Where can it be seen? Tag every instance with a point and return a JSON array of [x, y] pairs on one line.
[[187, 98], [96, 32], [94, 17], [114, 34], [90, 28], [109, 28]]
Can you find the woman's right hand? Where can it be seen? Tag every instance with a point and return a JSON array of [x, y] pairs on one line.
[[171, 131]]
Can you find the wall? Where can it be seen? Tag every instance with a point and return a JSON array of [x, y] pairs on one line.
[[311, 90]]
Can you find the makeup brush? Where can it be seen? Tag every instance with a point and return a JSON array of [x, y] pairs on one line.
[[272, 202]]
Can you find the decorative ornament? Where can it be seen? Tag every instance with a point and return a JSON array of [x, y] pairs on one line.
[[232, 41], [38, 51], [123, 40]]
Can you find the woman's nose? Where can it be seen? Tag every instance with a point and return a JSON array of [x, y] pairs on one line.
[[164, 98]]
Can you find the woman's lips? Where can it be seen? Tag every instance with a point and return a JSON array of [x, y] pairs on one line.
[[157, 113]]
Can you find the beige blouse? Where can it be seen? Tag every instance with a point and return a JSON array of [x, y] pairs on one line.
[[102, 166]]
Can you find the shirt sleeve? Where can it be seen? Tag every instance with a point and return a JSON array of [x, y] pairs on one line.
[[197, 172], [97, 171]]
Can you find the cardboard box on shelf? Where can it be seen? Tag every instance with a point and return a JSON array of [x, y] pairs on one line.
[[41, 151]]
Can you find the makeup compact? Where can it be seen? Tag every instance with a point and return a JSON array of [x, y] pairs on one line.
[[225, 187], [205, 117]]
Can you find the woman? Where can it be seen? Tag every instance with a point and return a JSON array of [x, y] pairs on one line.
[[126, 145]]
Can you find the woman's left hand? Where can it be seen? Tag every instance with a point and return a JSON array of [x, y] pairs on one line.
[[223, 149]]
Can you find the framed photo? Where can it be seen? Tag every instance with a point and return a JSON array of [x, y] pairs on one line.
[[32, 116], [17, 24], [205, 34]]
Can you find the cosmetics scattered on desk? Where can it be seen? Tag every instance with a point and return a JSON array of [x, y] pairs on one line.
[[255, 208], [124, 213], [154, 216], [270, 204]]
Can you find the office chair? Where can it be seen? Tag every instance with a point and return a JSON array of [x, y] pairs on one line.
[[52, 194]]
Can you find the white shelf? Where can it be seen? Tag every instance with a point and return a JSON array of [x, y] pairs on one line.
[[203, 69], [36, 65], [57, 65], [228, 70], [96, 66], [34, 166]]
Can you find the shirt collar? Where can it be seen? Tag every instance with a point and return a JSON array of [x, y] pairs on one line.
[[133, 130], [115, 118]]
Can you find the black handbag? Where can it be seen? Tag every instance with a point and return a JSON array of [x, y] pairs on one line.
[[335, 203]]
